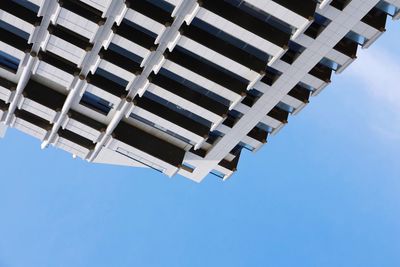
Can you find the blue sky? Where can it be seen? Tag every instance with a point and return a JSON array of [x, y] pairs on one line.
[[324, 192]]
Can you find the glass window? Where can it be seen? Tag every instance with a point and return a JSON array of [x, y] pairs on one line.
[[96, 103], [9, 62]]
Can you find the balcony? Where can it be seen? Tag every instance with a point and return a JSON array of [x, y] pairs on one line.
[[149, 144]]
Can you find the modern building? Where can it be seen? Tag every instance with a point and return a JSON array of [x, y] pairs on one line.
[[180, 86]]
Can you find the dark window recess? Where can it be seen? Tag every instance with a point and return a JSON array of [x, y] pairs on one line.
[[224, 48], [300, 93], [70, 36], [214, 136], [163, 5], [199, 152], [82, 9], [321, 72], [279, 114], [347, 47], [132, 24], [248, 48], [236, 150], [230, 165], [261, 15], [258, 134], [208, 70], [188, 94], [12, 36], [122, 58], [248, 22], [7, 84], [32, 118], [106, 84], [135, 35], [44, 95], [172, 116], [126, 53], [159, 128], [251, 97], [27, 4], [76, 138], [232, 118], [3, 105], [86, 120], [58, 62], [318, 25], [305, 8], [340, 4], [9, 62], [151, 10], [293, 52], [177, 109], [194, 87], [271, 75], [115, 78], [149, 144], [375, 18], [96, 103], [19, 11]]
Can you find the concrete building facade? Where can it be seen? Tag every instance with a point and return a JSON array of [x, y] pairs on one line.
[[179, 86]]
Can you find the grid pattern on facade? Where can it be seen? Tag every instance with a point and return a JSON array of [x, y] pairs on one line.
[[180, 86]]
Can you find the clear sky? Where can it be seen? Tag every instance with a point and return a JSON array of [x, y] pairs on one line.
[[324, 192]]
